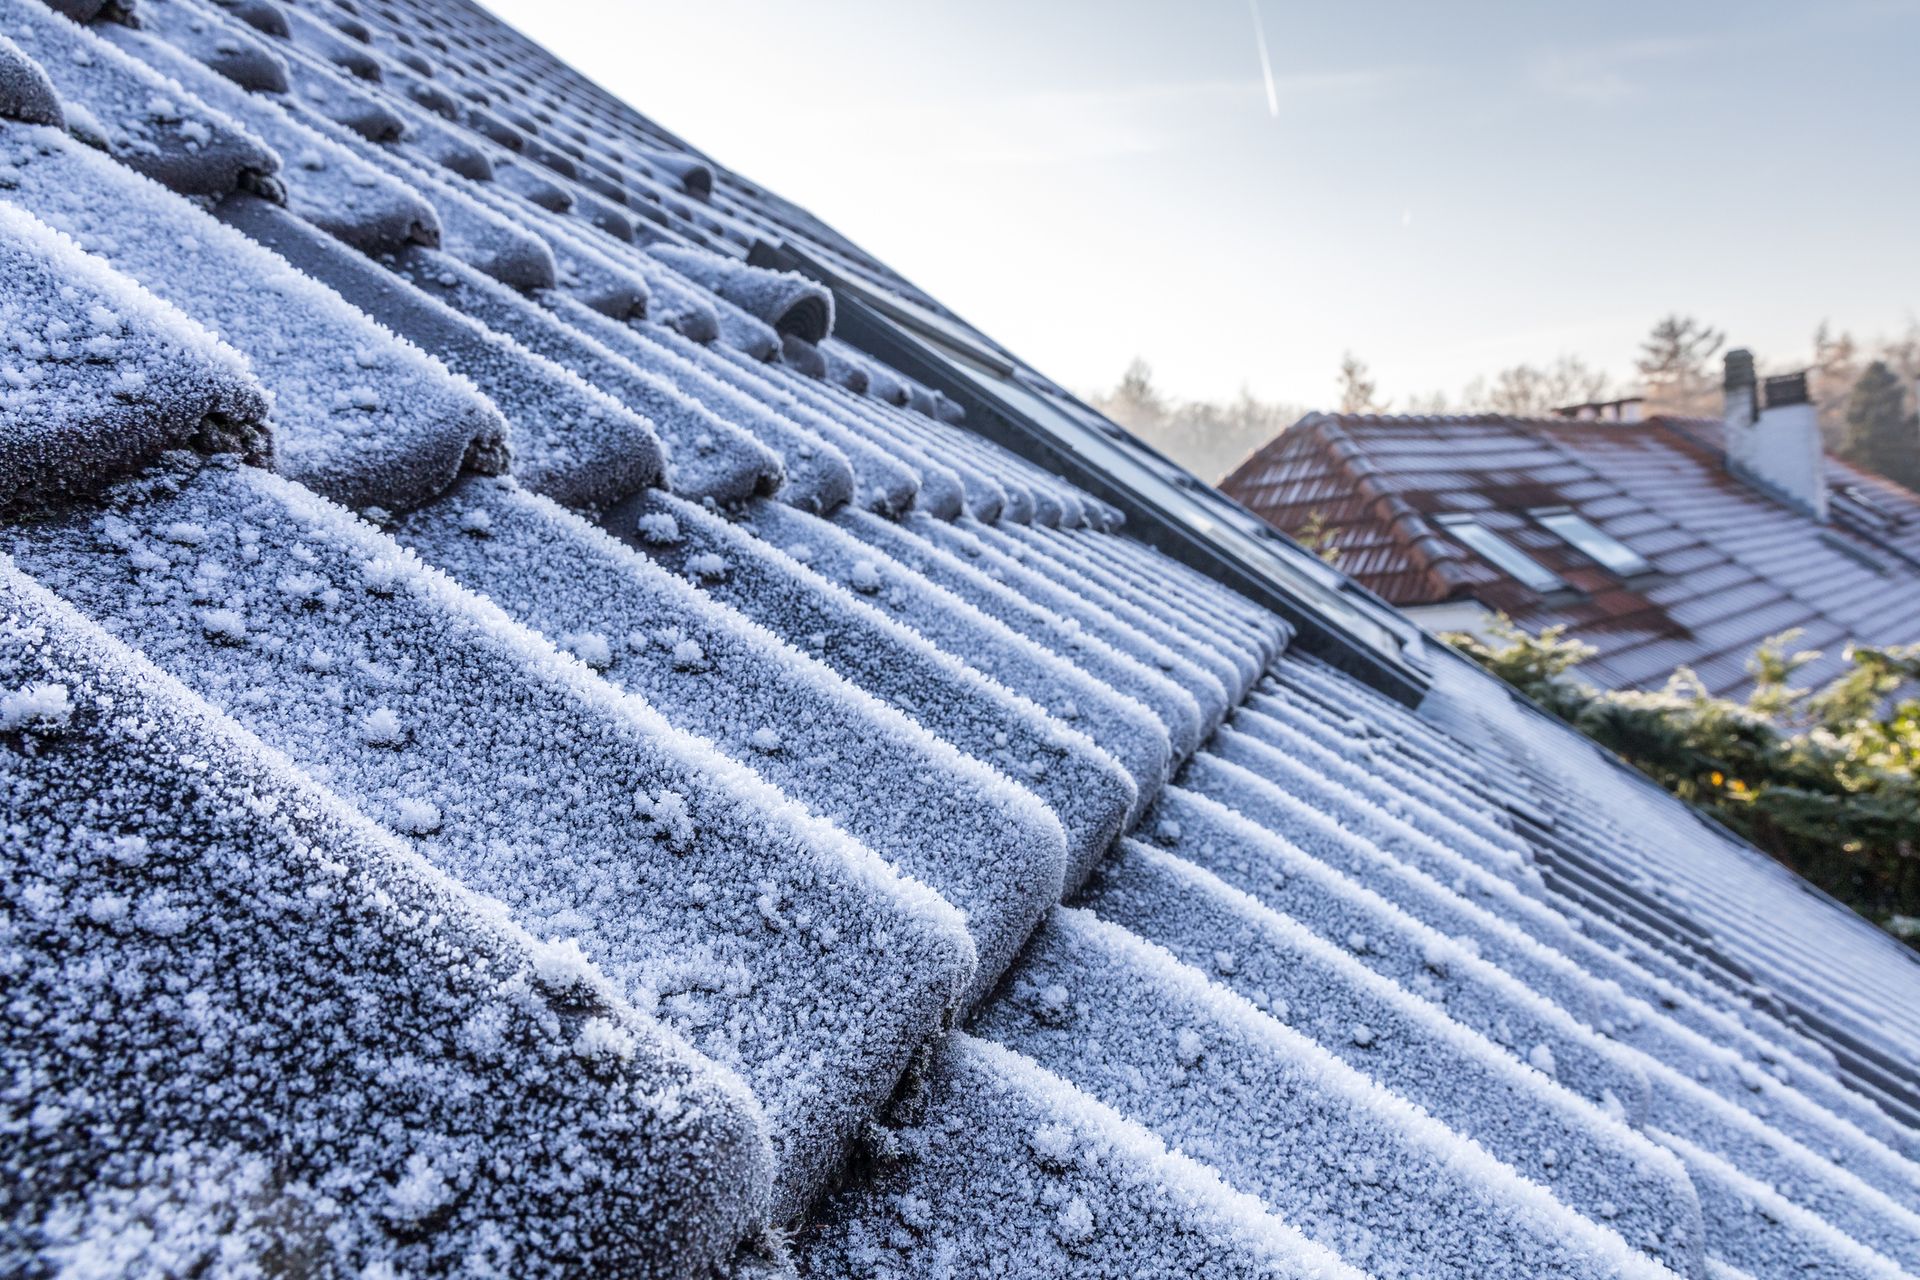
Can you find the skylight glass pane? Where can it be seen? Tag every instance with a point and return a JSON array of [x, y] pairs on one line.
[[1500, 552], [1593, 541]]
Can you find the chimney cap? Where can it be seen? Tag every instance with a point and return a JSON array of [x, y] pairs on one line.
[[1739, 368], [1786, 388]]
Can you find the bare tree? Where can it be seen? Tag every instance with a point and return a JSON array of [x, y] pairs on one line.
[[1902, 354], [1534, 391], [1207, 437], [1135, 403], [1676, 363]]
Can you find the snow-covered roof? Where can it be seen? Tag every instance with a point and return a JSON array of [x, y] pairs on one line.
[[531, 747]]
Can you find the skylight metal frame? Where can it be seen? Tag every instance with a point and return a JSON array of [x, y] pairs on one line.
[[1467, 529], [1591, 541], [1166, 506]]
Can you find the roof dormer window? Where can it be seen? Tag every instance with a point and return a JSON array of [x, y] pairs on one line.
[[1591, 540]]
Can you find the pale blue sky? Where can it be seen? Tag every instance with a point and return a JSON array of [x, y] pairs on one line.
[[1444, 189]]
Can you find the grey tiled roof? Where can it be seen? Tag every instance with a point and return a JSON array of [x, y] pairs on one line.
[[526, 754]]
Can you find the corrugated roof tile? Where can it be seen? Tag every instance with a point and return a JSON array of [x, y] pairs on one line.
[[787, 764]]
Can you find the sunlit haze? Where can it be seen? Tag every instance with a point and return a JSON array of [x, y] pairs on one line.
[[1443, 189]]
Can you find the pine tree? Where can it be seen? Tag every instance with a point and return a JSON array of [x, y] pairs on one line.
[[1136, 403], [1357, 387], [1880, 434], [1836, 367], [1675, 364]]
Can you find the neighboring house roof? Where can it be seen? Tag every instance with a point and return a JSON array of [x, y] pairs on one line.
[[526, 752], [1729, 563]]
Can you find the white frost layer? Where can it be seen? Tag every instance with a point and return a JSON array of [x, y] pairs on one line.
[[708, 456], [1584, 1154], [1128, 607], [1515, 1006], [140, 117], [1769, 1084], [359, 414], [1767, 1236], [1505, 882], [301, 1040], [1081, 606], [1330, 1150], [1246, 651], [1179, 714], [1004, 1169], [984, 843], [1424, 953], [1087, 790], [773, 941], [1125, 729], [96, 374]]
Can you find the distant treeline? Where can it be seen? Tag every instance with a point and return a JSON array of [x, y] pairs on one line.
[[1864, 392]]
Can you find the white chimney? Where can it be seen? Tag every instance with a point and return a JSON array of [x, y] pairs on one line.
[[1773, 435]]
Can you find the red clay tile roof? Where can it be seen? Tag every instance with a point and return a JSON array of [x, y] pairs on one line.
[[1731, 565]]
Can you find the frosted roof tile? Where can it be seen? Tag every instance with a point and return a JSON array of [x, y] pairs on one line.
[[705, 896], [303, 1039], [1086, 788], [818, 474], [1083, 605], [1179, 714], [225, 46], [1004, 1164], [790, 303], [708, 456], [26, 94], [1120, 726], [360, 414], [101, 376], [324, 183], [1326, 1147], [572, 441], [139, 116], [951, 718], [985, 843], [1591, 1160]]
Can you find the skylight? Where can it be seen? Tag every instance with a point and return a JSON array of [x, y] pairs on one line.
[[1593, 541], [1501, 553]]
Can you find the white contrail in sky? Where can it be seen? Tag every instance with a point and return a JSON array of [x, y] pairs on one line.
[[1266, 63]]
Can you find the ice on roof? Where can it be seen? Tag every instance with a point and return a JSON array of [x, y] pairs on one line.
[[361, 414]]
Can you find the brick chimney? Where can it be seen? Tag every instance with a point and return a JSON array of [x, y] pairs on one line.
[[1773, 435]]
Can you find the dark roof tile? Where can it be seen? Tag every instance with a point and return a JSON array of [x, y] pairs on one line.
[[359, 414]]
